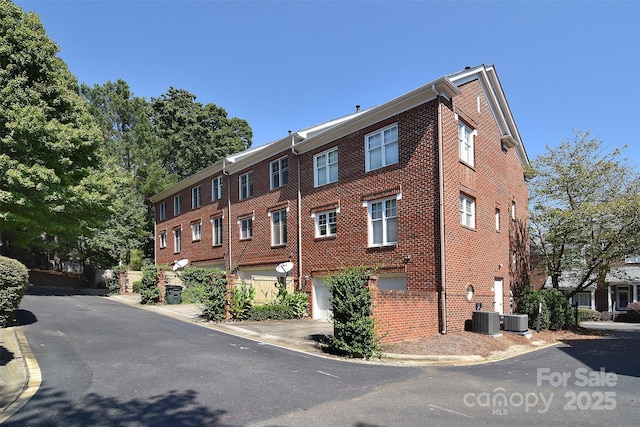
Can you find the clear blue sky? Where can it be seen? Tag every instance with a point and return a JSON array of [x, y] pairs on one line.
[[286, 65]]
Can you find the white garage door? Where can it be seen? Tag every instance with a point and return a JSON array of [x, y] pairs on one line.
[[321, 306]]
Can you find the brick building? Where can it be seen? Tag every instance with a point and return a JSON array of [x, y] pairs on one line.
[[425, 188]]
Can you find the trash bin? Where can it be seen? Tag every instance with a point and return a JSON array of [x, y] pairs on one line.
[[173, 294]]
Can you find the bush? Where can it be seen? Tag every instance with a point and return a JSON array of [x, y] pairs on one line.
[[208, 288], [588, 315], [633, 311], [561, 314], [242, 302], [14, 279], [270, 311], [113, 285], [353, 325], [149, 291], [298, 304], [528, 304], [136, 286]]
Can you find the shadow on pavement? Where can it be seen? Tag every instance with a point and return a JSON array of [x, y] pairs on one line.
[[24, 317], [62, 291], [616, 354], [6, 356], [172, 409]]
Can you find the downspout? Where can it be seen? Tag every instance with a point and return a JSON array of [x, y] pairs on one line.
[[224, 172], [443, 294], [299, 215]]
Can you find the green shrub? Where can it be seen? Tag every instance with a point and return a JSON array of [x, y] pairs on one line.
[[353, 325], [242, 301], [206, 287], [136, 286], [528, 304], [113, 285], [298, 304], [137, 260], [270, 311], [14, 279], [149, 291], [588, 315], [561, 314]]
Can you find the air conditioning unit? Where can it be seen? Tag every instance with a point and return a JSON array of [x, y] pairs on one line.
[[486, 322], [516, 322]]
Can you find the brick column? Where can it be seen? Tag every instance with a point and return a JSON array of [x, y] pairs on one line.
[[161, 285], [122, 279]]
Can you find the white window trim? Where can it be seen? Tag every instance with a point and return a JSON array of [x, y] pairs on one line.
[[282, 172], [383, 146], [327, 168], [252, 218], [216, 195], [213, 230], [196, 197], [163, 211], [163, 240], [316, 218], [471, 134], [247, 185], [467, 211], [177, 242], [367, 204], [283, 237], [497, 219], [177, 205], [195, 237]]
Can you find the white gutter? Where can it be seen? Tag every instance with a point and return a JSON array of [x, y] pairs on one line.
[[443, 294], [299, 215], [224, 172]]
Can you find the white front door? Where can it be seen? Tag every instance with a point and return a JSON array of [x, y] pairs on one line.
[[321, 307], [498, 301]]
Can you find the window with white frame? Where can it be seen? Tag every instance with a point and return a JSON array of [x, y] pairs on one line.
[[381, 148], [583, 299], [383, 222], [196, 231], [246, 228], [467, 211], [279, 172], [497, 219], [278, 227], [326, 223], [162, 211], [177, 205], [325, 167], [245, 182], [163, 240], [216, 189], [513, 210], [216, 225], [465, 143], [177, 240], [196, 197]]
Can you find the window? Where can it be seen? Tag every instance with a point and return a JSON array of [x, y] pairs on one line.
[[163, 240], [467, 211], [382, 148], [217, 230], [325, 167], [196, 231], [383, 222], [513, 210], [163, 211], [465, 143], [279, 227], [216, 189], [583, 299], [497, 219], [326, 224], [245, 182], [177, 240], [177, 205], [196, 197], [279, 174], [246, 228]]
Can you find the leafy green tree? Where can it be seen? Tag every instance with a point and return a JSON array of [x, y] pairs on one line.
[[194, 136], [48, 139], [585, 210]]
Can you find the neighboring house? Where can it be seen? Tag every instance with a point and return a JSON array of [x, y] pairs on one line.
[[620, 286], [424, 188], [585, 298]]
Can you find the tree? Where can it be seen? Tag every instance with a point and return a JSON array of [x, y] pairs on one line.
[[585, 210], [48, 139], [194, 136]]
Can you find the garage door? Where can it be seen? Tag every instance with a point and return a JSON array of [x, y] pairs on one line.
[[321, 307]]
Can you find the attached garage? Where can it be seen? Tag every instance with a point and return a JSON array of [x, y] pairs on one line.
[[320, 306]]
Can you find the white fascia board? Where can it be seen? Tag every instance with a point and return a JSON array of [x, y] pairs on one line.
[[443, 86], [492, 88]]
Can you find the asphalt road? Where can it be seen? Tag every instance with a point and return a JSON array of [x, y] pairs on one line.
[[105, 363]]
